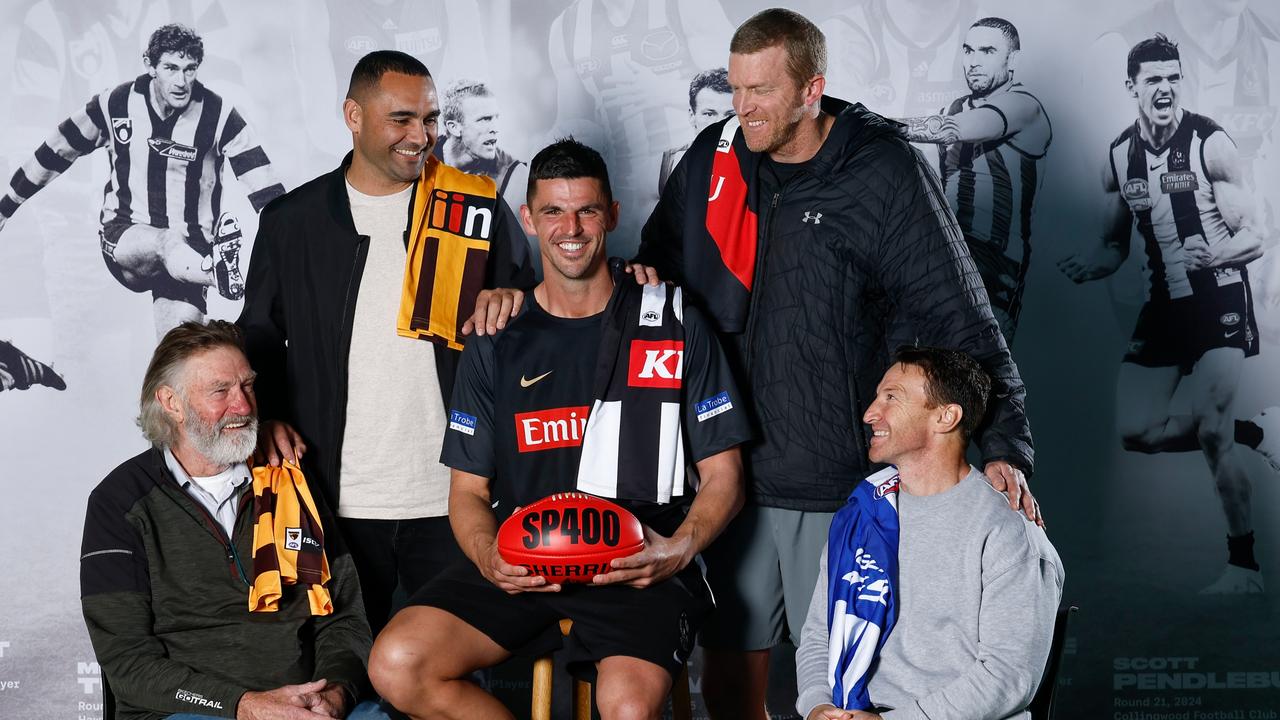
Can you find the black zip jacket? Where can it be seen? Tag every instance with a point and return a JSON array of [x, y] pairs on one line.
[[858, 254], [165, 595], [300, 300]]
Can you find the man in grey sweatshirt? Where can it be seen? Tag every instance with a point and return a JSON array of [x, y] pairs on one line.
[[978, 586]]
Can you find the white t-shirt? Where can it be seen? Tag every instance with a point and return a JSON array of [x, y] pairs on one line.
[[395, 421]]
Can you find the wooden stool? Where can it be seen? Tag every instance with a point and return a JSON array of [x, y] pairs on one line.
[[681, 704]]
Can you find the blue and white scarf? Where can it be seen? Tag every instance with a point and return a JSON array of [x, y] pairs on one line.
[[862, 580]]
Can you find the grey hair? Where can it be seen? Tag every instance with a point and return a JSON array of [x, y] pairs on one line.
[[167, 363]]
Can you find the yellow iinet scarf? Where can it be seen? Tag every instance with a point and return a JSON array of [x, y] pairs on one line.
[[453, 218], [288, 540]]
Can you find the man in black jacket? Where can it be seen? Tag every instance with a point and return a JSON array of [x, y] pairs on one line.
[[325, 292], [817, 240]]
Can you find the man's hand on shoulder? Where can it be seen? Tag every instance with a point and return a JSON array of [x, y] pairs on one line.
[[511, 579], [661, 558], [289, 702], [493, 309], [644, 274], [1011, 481], [277, 441]]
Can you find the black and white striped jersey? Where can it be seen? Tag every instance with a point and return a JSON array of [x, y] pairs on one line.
[[524, 397], [165, 172]]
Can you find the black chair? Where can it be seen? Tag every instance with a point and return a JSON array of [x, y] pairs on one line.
[[1042, 704]]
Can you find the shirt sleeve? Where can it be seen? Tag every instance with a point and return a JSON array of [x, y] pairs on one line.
[[813, 687], [115, 595], [249, 161], [469, 442], [715, 417]]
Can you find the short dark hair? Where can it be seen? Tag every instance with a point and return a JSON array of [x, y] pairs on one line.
[[804, 43], [951, 377], [176, 347], [1005, 27], [716, 79], [370, 69], [1154, 49], [451, 110], [567, 158], [174, 38]]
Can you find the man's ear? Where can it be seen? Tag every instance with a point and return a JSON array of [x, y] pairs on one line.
[[352, 114], [1133, 92], [813, 90], [170, 402], [949, 417]]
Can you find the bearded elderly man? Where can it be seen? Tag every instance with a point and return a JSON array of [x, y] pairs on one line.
[[168, 560]]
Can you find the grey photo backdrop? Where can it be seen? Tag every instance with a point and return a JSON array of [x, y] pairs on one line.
[[1139, 534]]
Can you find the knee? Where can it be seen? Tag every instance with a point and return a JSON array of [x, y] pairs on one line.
[[398, 668], [1215, 438], [629, 706]]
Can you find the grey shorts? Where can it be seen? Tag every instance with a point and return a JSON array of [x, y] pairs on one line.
[[762, 571]]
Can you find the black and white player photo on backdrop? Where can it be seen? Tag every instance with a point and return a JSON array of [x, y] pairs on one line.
[[1111, 169]]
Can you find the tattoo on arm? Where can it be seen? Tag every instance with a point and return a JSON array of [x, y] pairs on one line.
[[940, 129]]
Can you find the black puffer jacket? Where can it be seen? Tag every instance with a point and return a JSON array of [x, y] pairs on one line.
[[858, 254]]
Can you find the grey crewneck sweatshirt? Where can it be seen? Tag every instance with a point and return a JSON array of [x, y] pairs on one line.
[[978, 590]]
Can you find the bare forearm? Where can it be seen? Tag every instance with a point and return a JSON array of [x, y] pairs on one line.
[[473, 523], [941, 129], [1243, 247], [720, 497]]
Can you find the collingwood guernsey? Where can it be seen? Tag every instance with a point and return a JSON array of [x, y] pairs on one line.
[[643, 385]]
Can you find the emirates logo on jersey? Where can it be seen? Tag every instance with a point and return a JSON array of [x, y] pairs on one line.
[[551, 429]]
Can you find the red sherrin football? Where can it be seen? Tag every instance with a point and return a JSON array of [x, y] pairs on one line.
[[569, 537]]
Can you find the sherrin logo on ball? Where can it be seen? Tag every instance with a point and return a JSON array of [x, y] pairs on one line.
[[569, 537]]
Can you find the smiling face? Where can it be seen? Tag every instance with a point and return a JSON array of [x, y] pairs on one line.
[[768, 101], [710, 106], [987, 59], [1155, 87], [477, 132], [215, 410], [900, 416], [571, 217], [393, 129], [173, 77]]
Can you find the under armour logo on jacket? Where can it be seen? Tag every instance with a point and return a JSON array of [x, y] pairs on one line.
[[815, 218]]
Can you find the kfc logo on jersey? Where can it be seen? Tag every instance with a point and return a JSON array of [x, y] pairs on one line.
[[550, 429], [656, 363], [470, 216]]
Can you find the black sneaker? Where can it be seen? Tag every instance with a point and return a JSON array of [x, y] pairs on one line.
[[19, 371], [226, 257]]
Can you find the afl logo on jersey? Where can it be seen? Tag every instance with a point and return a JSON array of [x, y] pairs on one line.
[[122, 129], [660, 45], [1230, 319], [1137, 194], [360, 45]]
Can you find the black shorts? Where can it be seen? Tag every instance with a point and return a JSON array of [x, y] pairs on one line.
[[1178, 332], [657, 624], [160, 286]]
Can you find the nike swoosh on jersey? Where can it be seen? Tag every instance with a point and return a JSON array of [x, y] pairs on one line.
[[1231, 334], [526, 382]]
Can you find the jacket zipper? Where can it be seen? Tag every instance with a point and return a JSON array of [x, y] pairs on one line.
[[343, 358], [756, 287]]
